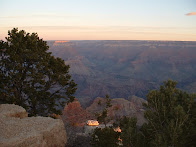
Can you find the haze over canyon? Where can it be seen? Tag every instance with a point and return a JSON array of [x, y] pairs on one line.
[[125, 68]]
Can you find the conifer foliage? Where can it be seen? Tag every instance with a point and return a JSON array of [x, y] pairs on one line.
[[130, 135], [171, 115], [171, 121], [103, 117], [105, 137], [31, 77]]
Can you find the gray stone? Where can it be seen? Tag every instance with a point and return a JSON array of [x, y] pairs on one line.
[[11, 110], [29, 131]]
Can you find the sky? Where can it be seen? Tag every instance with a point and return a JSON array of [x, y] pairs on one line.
[[101, 19]]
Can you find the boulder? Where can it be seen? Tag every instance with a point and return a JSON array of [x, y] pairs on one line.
[[16, 129], [11, 110]]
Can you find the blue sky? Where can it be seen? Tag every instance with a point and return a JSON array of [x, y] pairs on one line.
[[101, 19]]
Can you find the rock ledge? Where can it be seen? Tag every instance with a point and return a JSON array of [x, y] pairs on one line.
[[16, 129]]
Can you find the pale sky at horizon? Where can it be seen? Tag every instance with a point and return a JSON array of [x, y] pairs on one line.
[[101, 19]]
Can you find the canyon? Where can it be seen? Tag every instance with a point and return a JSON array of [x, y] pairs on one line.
[[123, 68]]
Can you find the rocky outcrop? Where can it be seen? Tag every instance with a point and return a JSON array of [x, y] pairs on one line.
[[120, 107], [11, 110], [16, 129], [138, 102]]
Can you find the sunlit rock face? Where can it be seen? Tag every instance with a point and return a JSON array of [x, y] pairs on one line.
[[117, 129], [92, 123], [59, 42]]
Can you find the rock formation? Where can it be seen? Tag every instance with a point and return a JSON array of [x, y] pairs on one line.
[[120, 107], [137, 102], [16, 129], [16, 111]]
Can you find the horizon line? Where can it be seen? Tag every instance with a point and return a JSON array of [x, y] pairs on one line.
[[117, 40]]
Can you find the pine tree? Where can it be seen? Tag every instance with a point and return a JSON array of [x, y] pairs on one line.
[[103, 117], [105, 137], [170, 114], [130, 135], [31, 77]]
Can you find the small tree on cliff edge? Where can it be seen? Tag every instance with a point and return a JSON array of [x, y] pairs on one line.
[[105, 137], [103, 116], [31, 77]]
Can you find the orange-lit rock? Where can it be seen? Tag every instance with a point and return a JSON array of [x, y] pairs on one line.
[[61, 41], [92, 123], [117, 129]]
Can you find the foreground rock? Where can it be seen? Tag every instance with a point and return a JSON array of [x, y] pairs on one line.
[[16, 129], [11, 110]]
